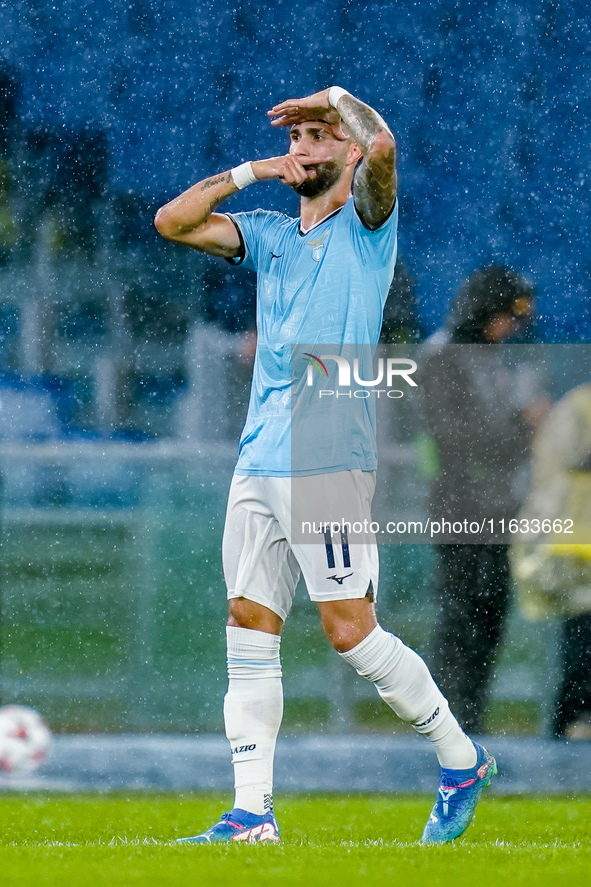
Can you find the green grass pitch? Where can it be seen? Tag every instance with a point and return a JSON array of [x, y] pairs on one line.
[[51, 839]]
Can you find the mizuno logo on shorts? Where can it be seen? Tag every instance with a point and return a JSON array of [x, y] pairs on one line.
[[339, 579]]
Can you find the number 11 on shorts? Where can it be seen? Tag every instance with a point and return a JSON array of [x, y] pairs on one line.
[[328, 544]]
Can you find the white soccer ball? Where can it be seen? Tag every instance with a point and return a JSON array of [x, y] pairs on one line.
[[25, 739]]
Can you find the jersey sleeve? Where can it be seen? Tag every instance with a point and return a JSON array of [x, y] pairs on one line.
[[376, 246], [253, 228]]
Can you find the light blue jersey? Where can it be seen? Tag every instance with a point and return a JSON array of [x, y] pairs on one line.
[[325, 286]]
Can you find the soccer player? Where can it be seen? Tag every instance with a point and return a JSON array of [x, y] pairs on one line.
[[321, 278]]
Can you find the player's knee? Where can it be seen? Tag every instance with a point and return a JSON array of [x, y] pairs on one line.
[[248, 614], [342, 637], [346, 623], [343, 634]]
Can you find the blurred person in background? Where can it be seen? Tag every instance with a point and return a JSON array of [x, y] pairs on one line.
[[553, 570], [480, 420]]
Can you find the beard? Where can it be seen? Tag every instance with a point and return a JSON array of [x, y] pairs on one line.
[[326, 176]]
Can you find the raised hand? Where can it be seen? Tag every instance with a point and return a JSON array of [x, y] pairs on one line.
[[313, 107], [286, 168]]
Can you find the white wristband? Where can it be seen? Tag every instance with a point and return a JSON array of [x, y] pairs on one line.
[[243, 175], [334, 94]]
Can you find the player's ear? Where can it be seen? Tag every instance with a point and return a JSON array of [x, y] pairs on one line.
[[354, 154]]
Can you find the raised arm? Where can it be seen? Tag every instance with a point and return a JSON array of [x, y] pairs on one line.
[[374, 186], [190, 217]]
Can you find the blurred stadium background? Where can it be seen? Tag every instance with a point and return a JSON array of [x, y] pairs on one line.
[[115, 464]]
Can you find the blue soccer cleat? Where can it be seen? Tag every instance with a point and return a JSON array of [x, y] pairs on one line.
[[458, 794], [239, 825]]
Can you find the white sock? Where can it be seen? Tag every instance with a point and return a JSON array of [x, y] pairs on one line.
[[403, 681], [253, 708]]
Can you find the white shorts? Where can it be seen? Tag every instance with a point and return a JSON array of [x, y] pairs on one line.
[[262, 560]]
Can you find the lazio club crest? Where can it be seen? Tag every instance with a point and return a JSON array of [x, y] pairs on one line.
[[317, 246]]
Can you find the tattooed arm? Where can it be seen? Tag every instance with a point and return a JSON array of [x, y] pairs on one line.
[[190, 218], [374, 186]]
